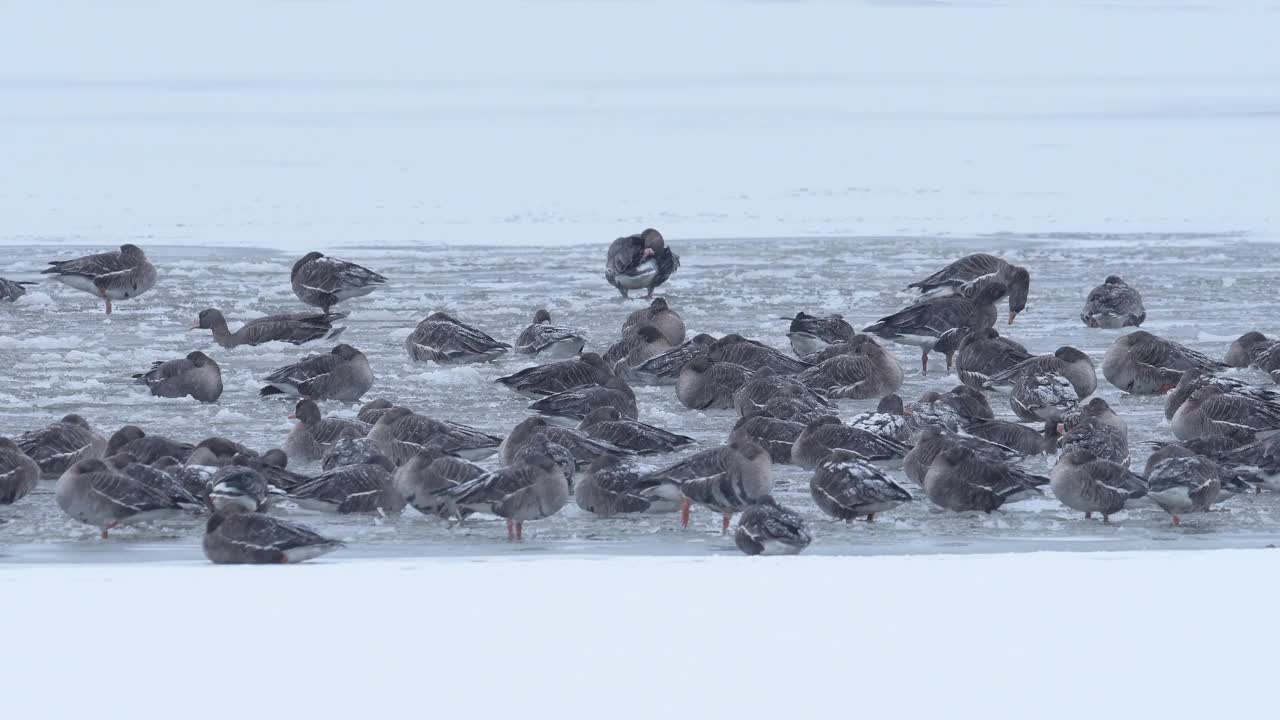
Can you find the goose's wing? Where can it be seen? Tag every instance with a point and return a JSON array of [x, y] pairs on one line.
[[625, 254], [296, 328], [669, 363], [127, 494], [304, 374], [932, 317], [330, 275], [964, 270], [91, 266], [263, 532]]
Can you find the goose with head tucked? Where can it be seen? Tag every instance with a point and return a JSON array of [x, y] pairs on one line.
[[402, 433], [239, 488], [342, 374], [117, 275], [888, 420], [314, 434], [323, 282], [767, 528], [61, 445], [1140, 363], [350, 451], [446, 340], [420, 477], [765, 384], [294, 328], [18, 473], [970, 270], [1257, 462], [542, 380], [639, 262], [145, 448], [726, 479], [571, 406], [608, 425], [932, 441], [1086, 483], [665, 368], [613, 486], [1043, 396], [845, 486], [924, 323], [866, 371], [156, 479], [638, 344], [1185, 485], [811, 334], [753, 355], [93, 493], [826, 434], [371, 411], [985, 353], [583, 447], [366, 487], [776, 436], [960, 480], [1253, 349], [1113, 305], [1193, 380], [532, 490], [238, 538], [546, 340], [705, 384], [196, 376], [1210, 412], [661, 316], [1065, 361]]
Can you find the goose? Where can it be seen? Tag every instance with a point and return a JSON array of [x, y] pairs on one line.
[[846, 486], [544, 339], [1253, 349], [776, 436], [583, 447], [371, 411], [765, 384], [932, 441], [196, 376], [866, 371], [969, 403], [925, 322], [613, 486], [428, 472], [193, 478], [1258, 462], [342, 374], [1065, 361], [117, 275], [608, 425], [443, 339], [640, 262], [889, 420], [323, 282], [158, 480], [660, 315], [240, 488], [1086, 483], [811, 334], [542, 380], [273, 467], [402, 433], [705, 384], [825, 434], [1143, 364], [726, 479], [94, 494], [1184, 485], [60, 445], [639, 343], [571, 406], [1015, 436], [1043, 396], [753, 355], [984, 353], [533, 490], [350, 451], [312, 437], [767, 528], [11, 290], [146, 448], [1210, 411], [234, 538], [347, 489], [980, 266], [1193, 380], [960, 480], [18, 473], [1113, 305], [295, 328], [1100, 439], [667, 366], [218, 451]]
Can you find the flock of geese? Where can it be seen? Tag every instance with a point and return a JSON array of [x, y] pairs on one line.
[[584, 432]]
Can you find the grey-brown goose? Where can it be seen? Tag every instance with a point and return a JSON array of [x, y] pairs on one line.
[[235, 538], [968, 402], [811, 334], [95, 494], [1143, 364], [726, 479], [665, 368], [350, 451], [660, 315], [1258, 462], [294, 328], [765, 384], [1043, 395], [341, 374], [1015, 436], [823, 435], [18, 473], [984, 353], [753, 355], [973, 269], [446, 340], [776, 436], [1184, 485], [273, 467], [11, 290], [767, 528], [146, 448], [218, 451], [371, 411], [608, 425], [613, 486], [367, 487], [1066, 361], [546, 340], [925, 322], [117, 275], [239, 488], [1253, 349], [1193, 380], [1113, 305], [1089, 484], [865, 371], [60, 445], [889, 420], [1210, 411], [312, 437], [705, 384], [960, 480], [402, 433], [156, 479], [638, 344], [932, 441], [323, 282], [196, 376], [581, 445], [845, 486], [420, 477], [543, 380], [530, 491], [571, 406], [639, 262]]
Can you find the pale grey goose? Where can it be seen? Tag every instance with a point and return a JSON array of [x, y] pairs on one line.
[[1089, 484], [323, 281], [446, 340], [825, 434], [116, 275], [571, 406], [1184, 485], [613, 486], [402, 433], [811, 333], [295, 328], [845, 486], [640, 261], [543, 380], [428, 472], [1113, 305], [312, 437], [341, 374], [1143, 364], [1210, 411], [93, 493], [530, 491], [60, 445], [726, 479], [235, 538], [960, 480], [546, 340], [660, 315], [705, 384], [767, 528], [608, 425], [196, 376], [18, 473], [970, 269], [925, 322], [865, 371]]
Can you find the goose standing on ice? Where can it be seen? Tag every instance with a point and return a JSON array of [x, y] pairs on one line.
[[442, 338], [196, 375], [18, 473], [640, 262], [530, 491], [61, 445], [924, 323], [1143, 364], [767, 528], [537, 430], [11, 290], [1184, 485], [775, 435], [1066, 361], [236, 538], [295, 328], [117, 275], [846, 486], [93, 493], [323, 282], [613, 486], [1113, 305], [963, 274], [726, 479], [1089, 484], [960, 480], [810, 334], [341, 374], [360, 488], [428, 472], [402, 433], [546, 340]]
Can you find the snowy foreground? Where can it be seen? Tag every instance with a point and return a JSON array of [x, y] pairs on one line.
[[1155, 634]]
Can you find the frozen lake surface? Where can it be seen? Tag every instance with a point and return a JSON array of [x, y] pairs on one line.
[[61, 355]]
